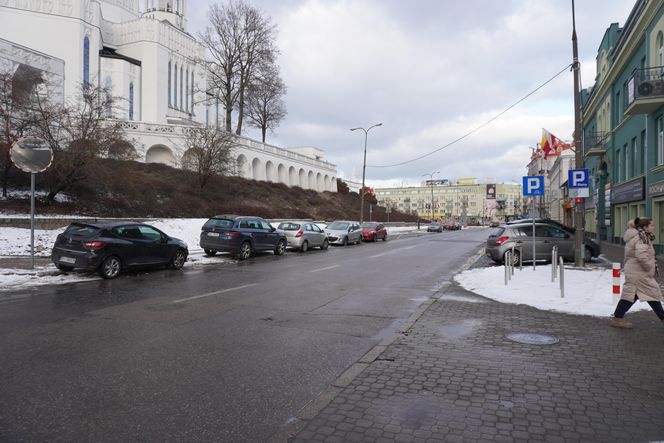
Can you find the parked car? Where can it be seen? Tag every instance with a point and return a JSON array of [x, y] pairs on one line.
[[241, 236], [435, 227], [110, 248], [592, 247], [343, 232], [303, 235], [520, 236], [451, 226], [372, 231]]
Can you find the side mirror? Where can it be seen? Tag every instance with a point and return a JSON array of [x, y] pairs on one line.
[[272, 229]]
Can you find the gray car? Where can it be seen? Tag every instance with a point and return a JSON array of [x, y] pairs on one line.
[[521, 237], [342, 232], [303, 235]]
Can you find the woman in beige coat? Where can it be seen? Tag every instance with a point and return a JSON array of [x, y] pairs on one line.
[[640, 270]]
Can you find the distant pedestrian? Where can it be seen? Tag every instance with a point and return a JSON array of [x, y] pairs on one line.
[[640, 271]]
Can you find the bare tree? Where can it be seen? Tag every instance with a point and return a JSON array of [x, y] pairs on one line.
[[17, 115], [266, 108], [79, 134], [238, 40], [208, 152]]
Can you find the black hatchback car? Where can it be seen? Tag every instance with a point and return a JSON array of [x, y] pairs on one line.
[[241, 236], [109, 248]]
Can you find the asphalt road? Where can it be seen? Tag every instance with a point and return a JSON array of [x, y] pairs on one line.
[[219, 352]]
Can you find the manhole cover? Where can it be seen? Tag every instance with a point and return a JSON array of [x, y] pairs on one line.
[[532, 339]]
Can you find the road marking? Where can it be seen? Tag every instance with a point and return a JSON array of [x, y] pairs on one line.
[[392, 251], [325, 269], [214, 293]]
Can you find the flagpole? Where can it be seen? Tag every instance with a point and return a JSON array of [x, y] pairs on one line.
[[578, 154]]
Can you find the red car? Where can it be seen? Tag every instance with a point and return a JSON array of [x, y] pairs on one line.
[[372, 231]]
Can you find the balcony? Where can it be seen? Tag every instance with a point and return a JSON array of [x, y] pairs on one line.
[[594, 143], [644, 91]]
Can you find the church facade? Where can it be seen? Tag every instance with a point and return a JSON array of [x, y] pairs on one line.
[[141, 52]]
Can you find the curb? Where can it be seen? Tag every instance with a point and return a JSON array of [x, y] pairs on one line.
[[313, 408]]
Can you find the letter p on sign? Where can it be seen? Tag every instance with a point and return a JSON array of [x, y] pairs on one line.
[[533, 185], [577, 178]]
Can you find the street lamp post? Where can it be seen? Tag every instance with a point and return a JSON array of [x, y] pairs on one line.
[[364, 167], [430, 174]]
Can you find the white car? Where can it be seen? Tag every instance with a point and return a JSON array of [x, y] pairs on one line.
[[343, 232], [302, 235]]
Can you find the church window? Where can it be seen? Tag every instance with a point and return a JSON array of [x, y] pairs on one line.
[[181, 86], [86, 61], [192, 92], [169, 85], [131, 101], [186, 104], [175, 87]]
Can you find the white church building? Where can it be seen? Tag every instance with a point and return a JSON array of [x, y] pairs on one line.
[[141, 52]]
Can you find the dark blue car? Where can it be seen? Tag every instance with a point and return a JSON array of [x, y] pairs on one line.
[[241, 236], [109, 248]]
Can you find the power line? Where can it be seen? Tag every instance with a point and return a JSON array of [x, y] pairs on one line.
[[477, 128]]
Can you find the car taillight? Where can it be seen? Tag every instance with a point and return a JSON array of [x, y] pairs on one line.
[[94, 244], [502, 240], [300, 233], [234, 234]]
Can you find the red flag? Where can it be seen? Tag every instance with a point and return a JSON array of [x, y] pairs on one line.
[[552, 145]]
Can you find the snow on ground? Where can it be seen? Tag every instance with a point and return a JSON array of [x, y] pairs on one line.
[[588, 291]]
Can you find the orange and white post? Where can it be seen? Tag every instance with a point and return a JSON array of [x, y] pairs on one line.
[[616, 282]]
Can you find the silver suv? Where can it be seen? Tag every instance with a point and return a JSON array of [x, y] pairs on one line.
[[521, 237]]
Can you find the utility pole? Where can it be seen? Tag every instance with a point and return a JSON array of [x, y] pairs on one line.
[[578, 153], [430, 174]]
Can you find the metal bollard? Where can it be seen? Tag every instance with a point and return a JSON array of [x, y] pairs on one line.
[[520, 259], [554, 262], [512, 258], [507, 260], [562, 278]]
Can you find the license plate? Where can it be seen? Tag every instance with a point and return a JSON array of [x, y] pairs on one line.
[[67, 260], [213, 234]]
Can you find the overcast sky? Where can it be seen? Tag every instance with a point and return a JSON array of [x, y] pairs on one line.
[[430, 71]]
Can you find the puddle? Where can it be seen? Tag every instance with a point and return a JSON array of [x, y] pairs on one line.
[[460, 329], [390, 330], [462, 298]]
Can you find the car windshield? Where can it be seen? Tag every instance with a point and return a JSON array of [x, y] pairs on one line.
[[288, 226], [219, 223], [369, 225], [338, 226]]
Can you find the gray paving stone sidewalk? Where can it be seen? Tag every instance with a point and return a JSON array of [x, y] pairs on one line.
[[455, 377]]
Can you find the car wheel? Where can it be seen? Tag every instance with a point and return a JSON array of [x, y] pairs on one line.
[[281, 248], [209, 252], [385, 237], [325, 245], [64, 268], [305, 246], [359, 240], [344, 242], [245, 251], [588, 254], [178, 260], [110, 267], [515, 257]]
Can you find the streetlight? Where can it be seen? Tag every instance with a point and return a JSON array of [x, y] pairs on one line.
[[430, 174], [364, 167]]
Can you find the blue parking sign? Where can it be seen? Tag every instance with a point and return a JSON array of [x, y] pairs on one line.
[[577, 178], [533, 185]]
